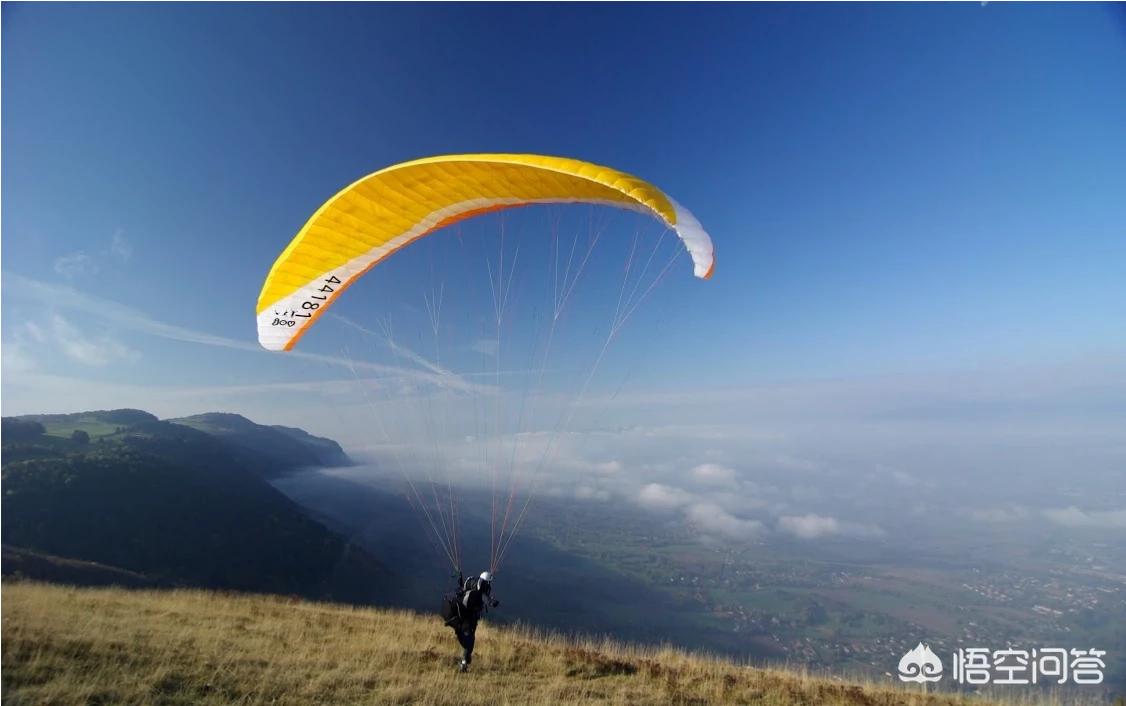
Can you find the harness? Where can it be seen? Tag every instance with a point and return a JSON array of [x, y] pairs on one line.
[[473, 594]]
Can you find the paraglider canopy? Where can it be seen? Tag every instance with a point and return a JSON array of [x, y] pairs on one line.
[[372, 218]]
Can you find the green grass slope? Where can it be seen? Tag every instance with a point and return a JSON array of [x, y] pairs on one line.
[[113, 646], [95, 423]]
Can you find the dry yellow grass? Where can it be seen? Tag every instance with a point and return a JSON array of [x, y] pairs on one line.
[[110, 646]]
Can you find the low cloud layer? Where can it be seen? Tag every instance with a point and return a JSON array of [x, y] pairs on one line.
[[1088, 519], [813, 526], [1070, 517]]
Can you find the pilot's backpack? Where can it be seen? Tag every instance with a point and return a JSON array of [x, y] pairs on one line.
[[451, 609]]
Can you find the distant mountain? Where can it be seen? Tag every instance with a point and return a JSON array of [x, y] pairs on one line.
[[284, 448], [174, 504]]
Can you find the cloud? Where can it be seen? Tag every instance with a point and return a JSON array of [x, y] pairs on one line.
[[713, 519], [947, 400], [793, 463], [904, 479], [813, 526], [35, 332], [809, 526], [76, 264], [93, 351], [16, 358], [485, 346], [18, 352], [82, 264], [398, 349], [119, 247], [30, 342], [68, 298], [585, 492], [1004, 514], [714, 474], [662, 497], [1094, 519], [126, 317]]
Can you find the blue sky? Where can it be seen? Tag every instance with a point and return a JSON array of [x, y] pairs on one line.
[[892, 189]]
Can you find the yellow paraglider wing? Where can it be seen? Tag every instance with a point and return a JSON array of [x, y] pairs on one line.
[[382, 212]]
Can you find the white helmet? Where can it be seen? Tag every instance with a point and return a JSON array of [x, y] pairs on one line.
[[486, 577]]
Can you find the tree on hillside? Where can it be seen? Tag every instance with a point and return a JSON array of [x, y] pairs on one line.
[[20, 429], [80, 437]]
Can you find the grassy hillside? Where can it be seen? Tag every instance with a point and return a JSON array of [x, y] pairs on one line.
[[95, 423], [111, 646]]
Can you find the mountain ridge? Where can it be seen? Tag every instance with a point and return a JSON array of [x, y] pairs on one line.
[[170, 504], [289, 448]]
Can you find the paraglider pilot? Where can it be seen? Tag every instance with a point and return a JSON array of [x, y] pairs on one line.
[[462, 609]]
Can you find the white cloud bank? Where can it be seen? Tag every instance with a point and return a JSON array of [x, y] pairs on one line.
[[713, 519], [656, 496], [714, 474], [809, 526]]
